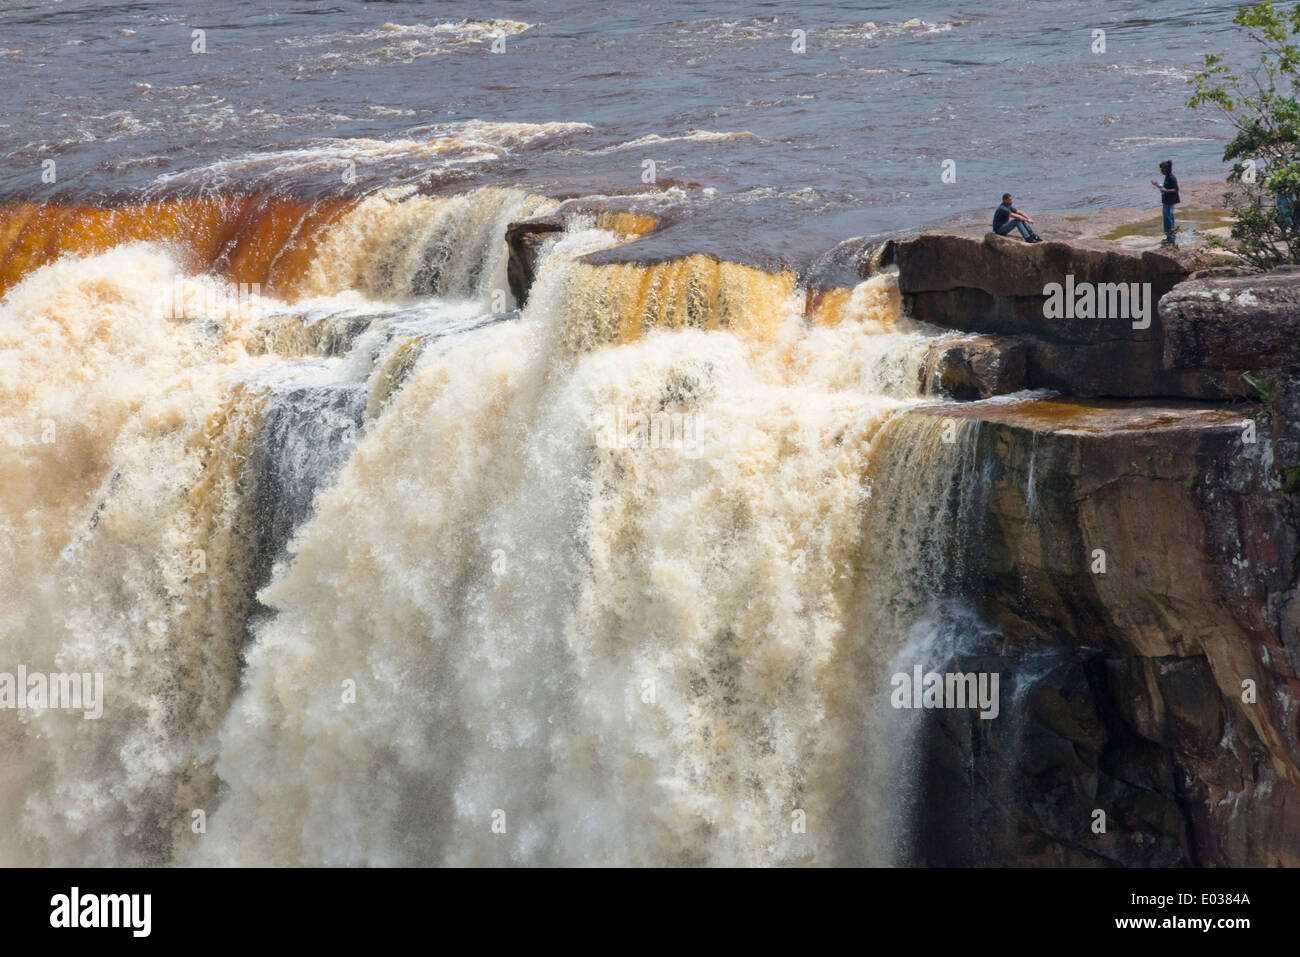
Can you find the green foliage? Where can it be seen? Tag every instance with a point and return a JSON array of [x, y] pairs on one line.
[[1261, 104], [1291, 479], [1260, 385]]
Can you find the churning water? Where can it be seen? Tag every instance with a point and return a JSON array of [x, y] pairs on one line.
[[381, 568], [369, 566]]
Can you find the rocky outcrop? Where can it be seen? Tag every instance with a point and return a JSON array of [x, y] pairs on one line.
[[977, 367], [525, 242], [1137, 562], [1247, 326], [995, 285], [527, 239], [1015, 272], [1237, 323], [842, 266]]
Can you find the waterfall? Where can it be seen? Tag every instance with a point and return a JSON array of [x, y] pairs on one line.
[[380, 571], [398, 245]]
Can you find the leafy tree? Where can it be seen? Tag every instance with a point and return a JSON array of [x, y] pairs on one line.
[[1264, 191]]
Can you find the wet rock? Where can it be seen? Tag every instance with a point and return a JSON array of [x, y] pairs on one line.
[[995, 285], [843, 266], [1146, 553], [1025, 789], [525, 241], [978, 367], [305, 435]]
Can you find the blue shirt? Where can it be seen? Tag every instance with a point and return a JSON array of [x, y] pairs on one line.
[[1001, 215]]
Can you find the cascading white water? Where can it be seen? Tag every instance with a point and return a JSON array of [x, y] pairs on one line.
[[519, 624], [397, 245]]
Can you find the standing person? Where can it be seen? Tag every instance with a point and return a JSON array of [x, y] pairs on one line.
[[1006, 218], [1168, 198]]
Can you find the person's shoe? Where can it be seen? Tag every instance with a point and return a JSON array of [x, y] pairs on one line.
[[1034, 239]]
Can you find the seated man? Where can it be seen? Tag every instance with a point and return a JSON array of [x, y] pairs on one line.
[[1006, 218]]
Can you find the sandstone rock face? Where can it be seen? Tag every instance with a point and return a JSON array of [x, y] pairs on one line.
[[977, 367], [1012, 269], [1237, 323], [1248, 326], [1125, 682], [995, 285]]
